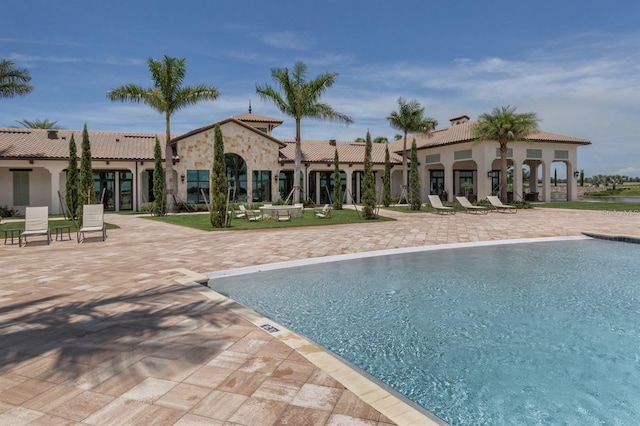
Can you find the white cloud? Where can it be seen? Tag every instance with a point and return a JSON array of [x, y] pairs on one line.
[[287, 40]]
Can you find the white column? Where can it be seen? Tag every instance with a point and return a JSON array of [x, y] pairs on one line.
[[517, 179], [57, 175], [349, 197], [546, 182]]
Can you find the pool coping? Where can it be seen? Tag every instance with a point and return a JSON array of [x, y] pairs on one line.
[[395, 406], [376, 253]]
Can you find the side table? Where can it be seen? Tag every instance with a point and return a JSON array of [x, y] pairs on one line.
[[60, 231], [11, 233]]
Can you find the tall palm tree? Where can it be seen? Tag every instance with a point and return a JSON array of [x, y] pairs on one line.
[[39, 124], [13, 81], [503, 125], [410, 118], [300, 98], [167, 96]]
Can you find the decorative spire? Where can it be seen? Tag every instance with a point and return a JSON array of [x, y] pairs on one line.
[[249, 106]]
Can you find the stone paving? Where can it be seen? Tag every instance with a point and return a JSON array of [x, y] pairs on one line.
[[115, 332]]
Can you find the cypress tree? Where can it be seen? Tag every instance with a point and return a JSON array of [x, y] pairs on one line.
[[368, 183], [218, 183], [85, 190], [337, 182], [159, 206], [386, 181], [415, 200], [72, 179]]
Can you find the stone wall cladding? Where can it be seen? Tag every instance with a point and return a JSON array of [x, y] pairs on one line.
[[196, 151]]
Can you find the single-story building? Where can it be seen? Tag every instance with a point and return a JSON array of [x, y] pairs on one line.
[[260, 167]]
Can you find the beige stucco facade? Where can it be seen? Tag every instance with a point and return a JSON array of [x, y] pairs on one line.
[[481, 158]]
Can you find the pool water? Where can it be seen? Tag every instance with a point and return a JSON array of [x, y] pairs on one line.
[[532, 333]]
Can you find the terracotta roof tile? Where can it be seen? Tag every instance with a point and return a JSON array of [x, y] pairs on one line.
[[257, 118], [461, 133], [321, 151], [36, 143]]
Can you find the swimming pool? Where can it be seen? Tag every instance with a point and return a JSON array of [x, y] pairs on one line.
[[535, 333]]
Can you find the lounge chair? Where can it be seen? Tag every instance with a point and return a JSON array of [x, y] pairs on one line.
[[92, 221], [242, 214], [253, 216], [283, 215], [36, 222], [437, 204], [323, 213], [470, 208], [502, 208]]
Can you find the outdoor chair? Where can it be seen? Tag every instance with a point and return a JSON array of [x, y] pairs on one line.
[[253, 216], [323, 213], [36, 222], [283, 215], [437, 205], [502, 208], [470, 208], [92, 221], [242, 213]]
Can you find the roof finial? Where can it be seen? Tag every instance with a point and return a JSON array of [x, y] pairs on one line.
[[249, 106]]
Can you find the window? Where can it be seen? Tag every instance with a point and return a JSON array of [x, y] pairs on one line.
[[465, 182], [433, 158], [436, 182], [261, 186], [462, 155], [509, 152], [197, 183], [126, 190], [21, 188], [236, 176], [534, 153]]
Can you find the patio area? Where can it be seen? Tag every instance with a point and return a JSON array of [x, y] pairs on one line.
[[118, 332]]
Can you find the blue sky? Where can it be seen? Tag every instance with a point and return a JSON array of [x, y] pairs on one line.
[[575, 64]]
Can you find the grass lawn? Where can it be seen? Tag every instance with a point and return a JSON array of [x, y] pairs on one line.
[[591, 205], [201, 221]]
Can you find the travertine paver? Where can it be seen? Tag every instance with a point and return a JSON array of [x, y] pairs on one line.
[[113, 333]]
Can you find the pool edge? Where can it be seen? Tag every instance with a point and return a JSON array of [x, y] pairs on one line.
[[389, 402]]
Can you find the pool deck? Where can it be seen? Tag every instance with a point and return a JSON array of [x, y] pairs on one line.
[[118, 332]]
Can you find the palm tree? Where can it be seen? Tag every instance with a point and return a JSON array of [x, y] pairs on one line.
[[301, 99], [13, 81], [39, 124], [410, 118], [167, 96], [503, 125]]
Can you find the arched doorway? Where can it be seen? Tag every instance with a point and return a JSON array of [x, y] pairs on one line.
[[559, 181]]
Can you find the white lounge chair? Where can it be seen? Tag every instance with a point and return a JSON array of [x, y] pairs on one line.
[[242, 214], [470, 208], [497, 204], [324, 213], [437, 204], [36, 222], [92, 221]]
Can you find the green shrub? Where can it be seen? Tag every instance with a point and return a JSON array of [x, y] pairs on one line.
[[7, 211]]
